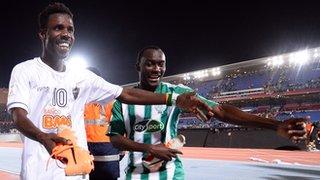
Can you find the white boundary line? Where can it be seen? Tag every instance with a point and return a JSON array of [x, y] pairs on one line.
[[11, 172]]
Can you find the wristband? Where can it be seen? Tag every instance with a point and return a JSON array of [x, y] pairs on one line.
[[169, 99], [309, 128], [174, 99]]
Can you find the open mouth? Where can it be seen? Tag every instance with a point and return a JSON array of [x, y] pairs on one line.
[[154, 78], [65, 46]]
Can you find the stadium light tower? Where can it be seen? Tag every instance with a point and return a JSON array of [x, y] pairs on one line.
[[201, 74], [300, 57], [186, 76], [77, 62], [215, 71], [277, 61], [316, 54]]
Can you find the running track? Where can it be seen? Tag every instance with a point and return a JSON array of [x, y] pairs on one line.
[[240, 163]]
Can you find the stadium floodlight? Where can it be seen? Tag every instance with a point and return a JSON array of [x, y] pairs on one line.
[[269, 62], [200, 74], [247, 110], [186, 76], [215, 71], [277, 61], [300, 57], [77, 62], [315, 54]]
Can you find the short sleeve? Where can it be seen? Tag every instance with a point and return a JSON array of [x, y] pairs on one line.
[[19, 89], [180, 89], [102, 91], [117, 121]]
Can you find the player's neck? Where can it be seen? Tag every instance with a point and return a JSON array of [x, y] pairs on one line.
[[147, 87], [54, 63]]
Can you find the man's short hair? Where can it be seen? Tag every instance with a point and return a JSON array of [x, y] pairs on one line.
[[140, 53], [52, 8]]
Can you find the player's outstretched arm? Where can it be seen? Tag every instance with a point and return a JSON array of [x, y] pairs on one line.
[[187, 101], [158, 151], [141, 97], [233, 115], [28, 129], [294, 128]]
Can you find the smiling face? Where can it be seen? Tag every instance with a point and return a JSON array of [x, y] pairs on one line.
[[151, 68], [58, 37]]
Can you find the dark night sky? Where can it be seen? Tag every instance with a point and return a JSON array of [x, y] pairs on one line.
[[194, 35]]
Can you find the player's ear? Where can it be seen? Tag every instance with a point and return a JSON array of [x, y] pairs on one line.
[[42, 34], [138, 67]]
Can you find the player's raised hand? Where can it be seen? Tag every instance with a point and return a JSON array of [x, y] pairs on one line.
[[191, 103], [294, 129]]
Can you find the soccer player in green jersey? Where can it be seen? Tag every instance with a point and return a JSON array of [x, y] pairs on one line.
[[149, 127]]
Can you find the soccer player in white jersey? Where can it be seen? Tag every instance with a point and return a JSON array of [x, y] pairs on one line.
[[44, 93], [149, 127]]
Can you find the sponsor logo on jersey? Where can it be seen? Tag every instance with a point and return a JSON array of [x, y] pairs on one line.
[[148, 126], [54, 118], [44, 88], [54, 121]]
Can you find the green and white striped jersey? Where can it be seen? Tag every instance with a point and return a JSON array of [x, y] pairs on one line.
[[150, 124]]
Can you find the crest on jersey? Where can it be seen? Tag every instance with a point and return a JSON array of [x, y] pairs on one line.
[[75, 92]]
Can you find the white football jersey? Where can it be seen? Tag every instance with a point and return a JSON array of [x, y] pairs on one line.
[[51, 99], [150, 124]]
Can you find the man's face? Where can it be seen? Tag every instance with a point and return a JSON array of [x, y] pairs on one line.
[[58, 37], [152, 67]]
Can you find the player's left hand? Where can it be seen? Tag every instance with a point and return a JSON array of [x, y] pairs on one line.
[[191, 103], [51, 140], [294, 129]]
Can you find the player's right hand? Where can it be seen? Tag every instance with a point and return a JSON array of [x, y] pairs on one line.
[[51, 140], [294, 129], [160, 151], [191, 103]]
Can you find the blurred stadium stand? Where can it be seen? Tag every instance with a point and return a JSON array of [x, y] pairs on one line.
[[280, 87]]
